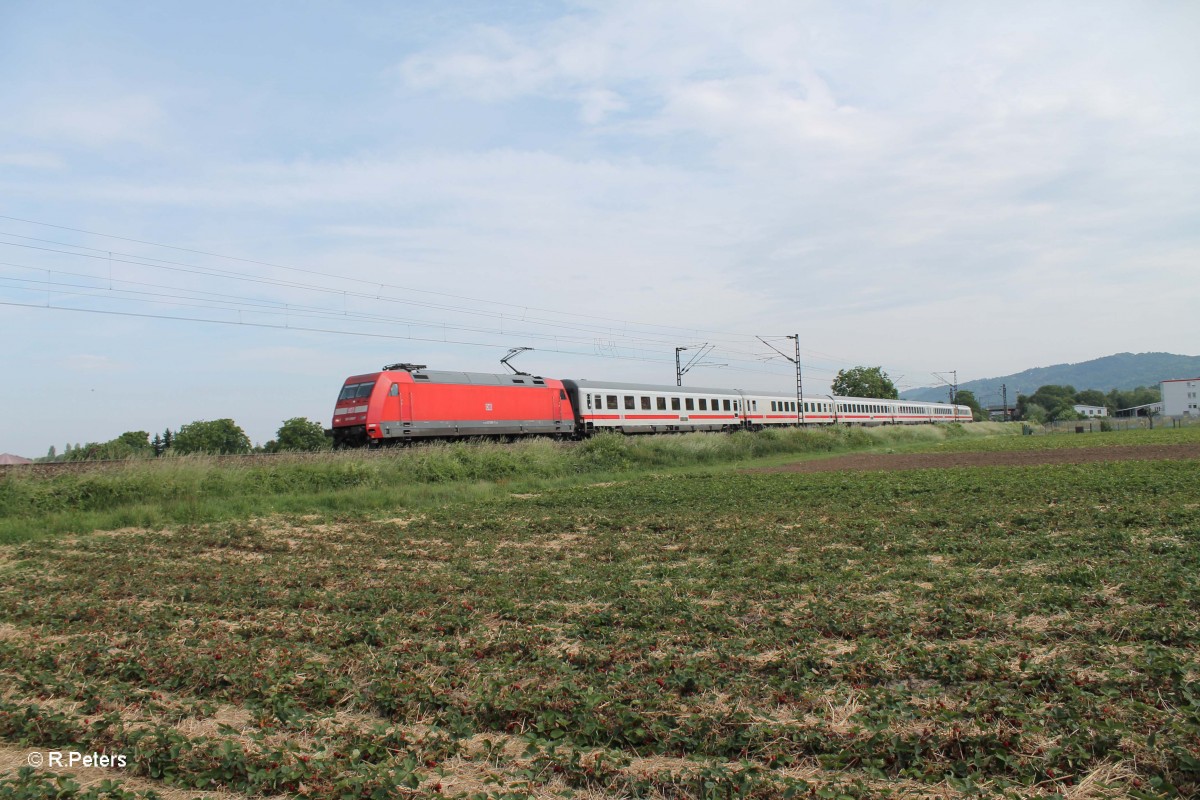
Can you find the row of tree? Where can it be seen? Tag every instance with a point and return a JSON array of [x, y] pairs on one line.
[[1054, 403], [218, 436], [1048, 404]]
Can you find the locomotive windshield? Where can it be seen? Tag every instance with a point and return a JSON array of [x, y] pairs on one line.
[[352, 391]]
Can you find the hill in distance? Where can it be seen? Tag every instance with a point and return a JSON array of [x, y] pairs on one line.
[[1119, 371]]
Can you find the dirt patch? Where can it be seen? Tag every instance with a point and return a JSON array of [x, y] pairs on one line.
[[871, 462]]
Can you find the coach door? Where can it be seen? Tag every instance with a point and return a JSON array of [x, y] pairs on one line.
[[556, 407]]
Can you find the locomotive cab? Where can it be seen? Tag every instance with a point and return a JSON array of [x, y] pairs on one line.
[[352, 409]]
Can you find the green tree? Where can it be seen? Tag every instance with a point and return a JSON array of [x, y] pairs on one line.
[[1142, 395], [300, 434], [1031, 412], [138, 442], [1091, 397], [1056, 402], [217, 436], [966, 397], [864, 382]]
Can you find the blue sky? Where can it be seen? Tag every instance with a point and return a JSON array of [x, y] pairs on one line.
[[241, 204]]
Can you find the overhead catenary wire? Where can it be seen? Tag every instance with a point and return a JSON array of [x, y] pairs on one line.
[[221, 301], [671, 332], [364, 334], [106, 257], [604, 332]]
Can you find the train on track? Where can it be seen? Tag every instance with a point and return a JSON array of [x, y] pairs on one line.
[[407, 402]]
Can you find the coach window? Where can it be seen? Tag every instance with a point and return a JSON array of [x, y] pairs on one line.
[[661, 402], [735, 405], [645, 404], [629, 402], [612, 402], [688, 404], [674, 403], [725, 404], [703, 404]]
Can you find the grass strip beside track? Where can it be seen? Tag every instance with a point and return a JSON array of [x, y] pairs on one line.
[[192, 490]]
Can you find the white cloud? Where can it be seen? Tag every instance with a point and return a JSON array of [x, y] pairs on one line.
[[92, 363], [96, 122], [32, 160]]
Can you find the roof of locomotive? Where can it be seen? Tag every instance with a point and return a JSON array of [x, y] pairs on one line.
[[475, 378]]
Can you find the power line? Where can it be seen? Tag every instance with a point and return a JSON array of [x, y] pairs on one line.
[[242, 323], [346, 277], [642, 334]]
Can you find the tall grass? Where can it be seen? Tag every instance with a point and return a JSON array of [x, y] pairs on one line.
[[198, 489]]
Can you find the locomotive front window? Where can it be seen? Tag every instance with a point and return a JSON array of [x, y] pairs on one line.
[[364, 390], [349, 391]]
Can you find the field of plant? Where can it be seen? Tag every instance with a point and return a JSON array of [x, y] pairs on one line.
[[617, 631]]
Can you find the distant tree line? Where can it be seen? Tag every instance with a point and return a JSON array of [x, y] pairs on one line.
[[216, 437], [1056, 403]]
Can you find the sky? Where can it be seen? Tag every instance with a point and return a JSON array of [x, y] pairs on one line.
[[224, 209]]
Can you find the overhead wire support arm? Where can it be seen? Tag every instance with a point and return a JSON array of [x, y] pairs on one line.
[[953, 384], [795, 337], [701, 352]]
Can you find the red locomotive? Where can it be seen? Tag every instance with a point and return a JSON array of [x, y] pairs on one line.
[[404, 402]]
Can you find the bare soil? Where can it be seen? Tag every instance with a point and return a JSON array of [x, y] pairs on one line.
[[872, 462]]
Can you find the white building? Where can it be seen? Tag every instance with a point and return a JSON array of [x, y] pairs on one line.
[[1091, 411], [1181, 398]]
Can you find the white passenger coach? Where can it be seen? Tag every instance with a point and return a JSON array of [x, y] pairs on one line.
[[646, 408]]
